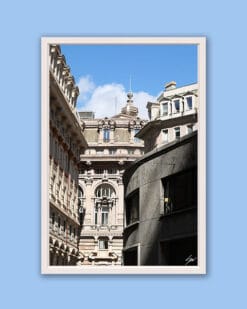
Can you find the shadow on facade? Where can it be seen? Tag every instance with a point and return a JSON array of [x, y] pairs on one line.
[[161, 206]]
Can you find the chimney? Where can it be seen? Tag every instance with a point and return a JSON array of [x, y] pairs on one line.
[[170, 86]]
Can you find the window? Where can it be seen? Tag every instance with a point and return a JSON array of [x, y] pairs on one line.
[[103, 243], [189, 129], [104, 200], [176, 106], [136, 139], [81, 171], [130, 257], [104, 215], [180, 191], [106, 135], [96, 215], [59, 225], [164, 109], [99, 171], [165, 135], [112, 171], [53, 218], [105, 190], [189, 102], [65, 196], [80, 196], [177, 132], [112, 151], [132, 208]]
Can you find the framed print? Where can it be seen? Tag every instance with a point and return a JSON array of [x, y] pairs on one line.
[[123, 155]]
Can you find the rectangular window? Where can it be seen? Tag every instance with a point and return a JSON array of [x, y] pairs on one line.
[[180, 191], [96, 216], [81, 171], [132, 208], [189, 102], [112, 171], [189, 129], [164, 109], [53, 218], [177, 132], [136, 139], [131, 257], [104, 215], [177, 105], [106, 135], [165, 135], [99, 171], [103, 243]]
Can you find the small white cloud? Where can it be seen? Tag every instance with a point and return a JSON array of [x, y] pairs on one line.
[[140, 100], [107, 100], [86, 87]]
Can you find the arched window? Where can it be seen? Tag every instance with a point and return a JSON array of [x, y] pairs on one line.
[[104, 194], [105, 190]]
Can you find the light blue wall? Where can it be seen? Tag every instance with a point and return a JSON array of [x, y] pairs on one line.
[[22, 23]]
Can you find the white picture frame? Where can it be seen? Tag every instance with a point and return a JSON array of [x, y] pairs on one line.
[[123, 270]]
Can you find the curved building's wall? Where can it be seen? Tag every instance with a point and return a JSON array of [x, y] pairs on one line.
[[157, 232]]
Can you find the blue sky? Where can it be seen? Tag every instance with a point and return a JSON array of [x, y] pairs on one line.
[[103, 72]]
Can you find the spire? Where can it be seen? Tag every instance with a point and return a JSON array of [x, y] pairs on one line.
[[130, 94], [129, 108]]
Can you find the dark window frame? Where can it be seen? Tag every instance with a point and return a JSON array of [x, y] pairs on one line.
[[130, 209], [180, 191]]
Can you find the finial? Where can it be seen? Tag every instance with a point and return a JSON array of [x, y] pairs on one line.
[[130, 93], [130, 85]]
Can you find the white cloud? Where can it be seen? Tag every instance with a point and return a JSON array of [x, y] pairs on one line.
[[140, 100], [86, 87], [107, 100]]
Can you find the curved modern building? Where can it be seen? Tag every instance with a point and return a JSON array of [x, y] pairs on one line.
[[161, 206]]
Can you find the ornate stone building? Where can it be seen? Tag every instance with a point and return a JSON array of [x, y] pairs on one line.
[[112, 147], [174, 115], [66, 143]]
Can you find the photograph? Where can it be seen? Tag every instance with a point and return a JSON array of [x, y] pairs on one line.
[[123, 151]]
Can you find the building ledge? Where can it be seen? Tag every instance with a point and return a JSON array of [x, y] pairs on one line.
[[132, 225]]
